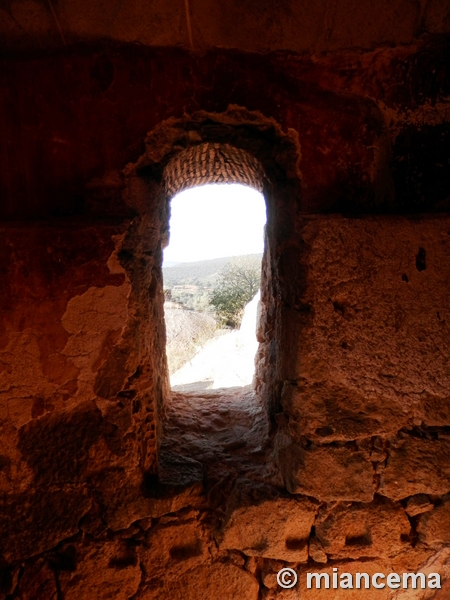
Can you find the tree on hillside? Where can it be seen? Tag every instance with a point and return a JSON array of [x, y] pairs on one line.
[[236, 286]]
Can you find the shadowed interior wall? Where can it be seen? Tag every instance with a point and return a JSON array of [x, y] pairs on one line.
[[353, 362]]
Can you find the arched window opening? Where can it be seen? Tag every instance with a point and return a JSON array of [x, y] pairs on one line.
[[214, 430], [212, 267]]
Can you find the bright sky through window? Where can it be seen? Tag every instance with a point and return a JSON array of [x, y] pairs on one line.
[[215, 220]]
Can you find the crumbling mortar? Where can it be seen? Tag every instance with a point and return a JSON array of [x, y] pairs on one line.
[[236, 126]]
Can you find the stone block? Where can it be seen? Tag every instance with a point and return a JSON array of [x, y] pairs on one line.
[[416, 505], [327, 473], [100, 570], [434, 527], [37, 581], [171, 550], [269, 525], [127, 499], [417, 466], [376, 530], [216, 580], [33, 523], [327, 412]]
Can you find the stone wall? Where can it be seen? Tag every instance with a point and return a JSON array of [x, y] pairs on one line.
[[292, 26], [358, 475], [373, 127], [108, 490], [80, 377]]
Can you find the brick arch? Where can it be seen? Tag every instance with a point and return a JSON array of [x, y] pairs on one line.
[[212, 163]]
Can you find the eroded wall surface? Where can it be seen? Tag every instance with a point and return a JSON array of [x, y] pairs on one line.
[[78, 382], [296, 26], [352, 467], [364, 420], [358, 474], [372, 127]]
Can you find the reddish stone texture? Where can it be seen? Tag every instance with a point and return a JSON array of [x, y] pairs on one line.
[[434, 527], [367, 385], [377, 530], [261, 523], [360, 474], [67, 315], [107, 489], [72, 121], [291, 26]]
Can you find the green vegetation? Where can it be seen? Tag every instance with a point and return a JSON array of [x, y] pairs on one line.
[[191, 284], [222, 286], [236, 286]]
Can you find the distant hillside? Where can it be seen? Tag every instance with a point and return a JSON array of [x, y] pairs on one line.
[[202, 274], [171, 263]]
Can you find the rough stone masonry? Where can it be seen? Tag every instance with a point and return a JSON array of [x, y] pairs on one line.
[[111, 486]]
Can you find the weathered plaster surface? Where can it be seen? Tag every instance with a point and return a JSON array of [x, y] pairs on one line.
[[353, 369], [67, 310], [373, 128], [366, 379]]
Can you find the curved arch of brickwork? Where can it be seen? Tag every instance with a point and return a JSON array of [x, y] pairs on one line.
[[212, 163]]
